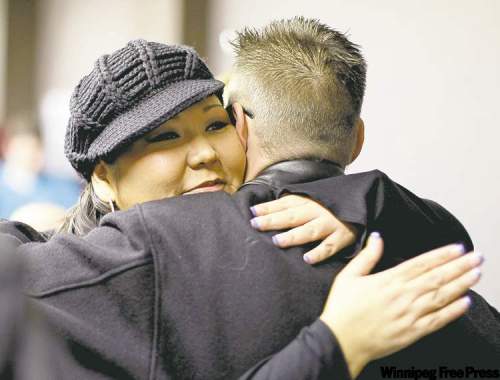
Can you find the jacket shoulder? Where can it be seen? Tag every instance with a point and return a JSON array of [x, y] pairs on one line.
[[67, 261], [22, 232]]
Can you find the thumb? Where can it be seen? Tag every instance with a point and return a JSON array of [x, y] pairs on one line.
[[365, 261]]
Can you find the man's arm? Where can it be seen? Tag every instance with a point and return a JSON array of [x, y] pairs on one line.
[[93, 292], [314, 354], [20, 232]]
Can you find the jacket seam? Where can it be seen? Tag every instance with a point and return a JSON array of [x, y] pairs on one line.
[[94, 281], [157, 305]]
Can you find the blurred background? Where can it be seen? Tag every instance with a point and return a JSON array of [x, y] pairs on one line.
[[431, 110]]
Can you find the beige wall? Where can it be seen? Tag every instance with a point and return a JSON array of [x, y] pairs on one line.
[[20, 64], [3, 55], [432, 106], [71, 34]]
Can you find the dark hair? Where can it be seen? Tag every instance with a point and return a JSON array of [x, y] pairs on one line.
[[304, 82]]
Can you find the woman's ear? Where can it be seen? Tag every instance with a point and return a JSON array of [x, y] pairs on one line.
[[360, 139], [101, 183], [241, 124]]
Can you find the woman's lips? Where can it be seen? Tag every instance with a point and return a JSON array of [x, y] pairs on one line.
[[204, 188]]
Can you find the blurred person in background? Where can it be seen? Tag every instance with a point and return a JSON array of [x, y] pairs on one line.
[[27, 193]]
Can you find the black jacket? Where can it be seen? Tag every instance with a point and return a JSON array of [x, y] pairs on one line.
[[185, 288]]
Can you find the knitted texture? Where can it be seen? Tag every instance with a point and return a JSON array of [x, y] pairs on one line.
[[129, 93]]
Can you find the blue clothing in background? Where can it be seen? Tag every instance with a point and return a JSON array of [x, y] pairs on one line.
[[44, 188]]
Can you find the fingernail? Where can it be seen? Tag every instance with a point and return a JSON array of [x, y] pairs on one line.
[[459, 248], [476, 272], [375, 235], [476, 258], [468, 301], [276, 241], [254, 223], [253, 211], [307, 259]]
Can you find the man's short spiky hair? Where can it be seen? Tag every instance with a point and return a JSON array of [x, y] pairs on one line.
[[304, 82]]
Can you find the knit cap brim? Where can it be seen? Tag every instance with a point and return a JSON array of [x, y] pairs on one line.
[[152, 112]]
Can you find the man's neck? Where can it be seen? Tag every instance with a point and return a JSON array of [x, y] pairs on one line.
[[256, 166]]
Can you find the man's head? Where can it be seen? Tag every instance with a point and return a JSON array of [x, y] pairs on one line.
[[304, 84]]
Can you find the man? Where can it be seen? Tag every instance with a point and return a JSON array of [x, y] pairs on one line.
[[296, 91], [224, 297], [303, 83]]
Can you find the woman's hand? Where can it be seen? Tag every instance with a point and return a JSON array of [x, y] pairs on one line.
[[309, 222], [375, 315]]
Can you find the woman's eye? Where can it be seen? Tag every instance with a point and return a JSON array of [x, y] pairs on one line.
[[216, 126], [164, 136]]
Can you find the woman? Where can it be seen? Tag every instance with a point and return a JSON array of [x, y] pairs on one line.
[[160, 116], [146, 124]]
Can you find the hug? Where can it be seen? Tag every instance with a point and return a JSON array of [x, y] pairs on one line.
[[171, 266]]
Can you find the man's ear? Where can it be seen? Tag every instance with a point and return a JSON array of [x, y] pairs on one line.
[[241, 124], [101, 183], [360, 139]]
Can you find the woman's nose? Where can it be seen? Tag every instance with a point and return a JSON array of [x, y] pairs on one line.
[[201, 153]]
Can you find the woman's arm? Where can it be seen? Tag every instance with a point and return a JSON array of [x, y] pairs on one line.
[[314, 354], [394, 309], [343, 210]]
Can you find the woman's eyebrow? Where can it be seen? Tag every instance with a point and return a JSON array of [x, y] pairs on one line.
[[210, 106]]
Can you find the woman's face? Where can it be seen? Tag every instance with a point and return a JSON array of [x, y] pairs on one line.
[[196, 151]]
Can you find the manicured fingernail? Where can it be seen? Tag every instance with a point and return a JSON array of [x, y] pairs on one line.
[[254, 223], [375, 235], [476, 258], [253, 211], [459, 248], [468, 301], [276, 240], [476, 272], [307, 259]]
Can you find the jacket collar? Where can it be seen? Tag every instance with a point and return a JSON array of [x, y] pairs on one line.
[[296, 171]]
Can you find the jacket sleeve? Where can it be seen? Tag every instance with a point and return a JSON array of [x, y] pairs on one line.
[[314, 355], [373, 202]]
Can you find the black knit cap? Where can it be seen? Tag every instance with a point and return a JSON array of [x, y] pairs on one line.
[[129, 93]]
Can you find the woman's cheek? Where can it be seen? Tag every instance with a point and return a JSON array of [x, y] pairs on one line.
[[151, 177], [163, 175], [237, 161], [232, 157]]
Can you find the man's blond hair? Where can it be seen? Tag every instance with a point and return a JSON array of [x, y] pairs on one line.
[[304, 82]]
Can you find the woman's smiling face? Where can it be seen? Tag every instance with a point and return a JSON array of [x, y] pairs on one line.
[[196, 151]]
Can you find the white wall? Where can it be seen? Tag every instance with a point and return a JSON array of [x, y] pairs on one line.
[[432, 106], [72, 34]]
